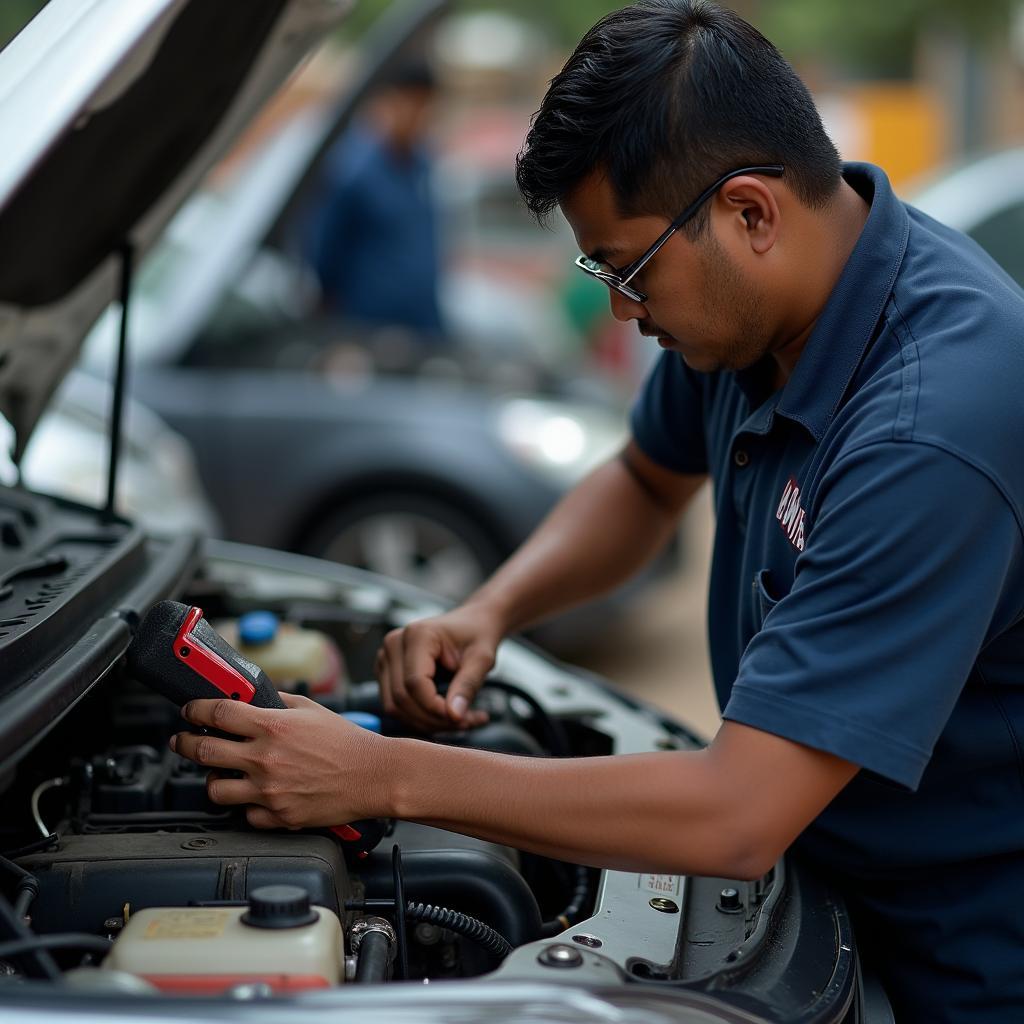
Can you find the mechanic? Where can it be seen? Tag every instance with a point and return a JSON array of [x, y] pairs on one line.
[[848, 373], [374, 222]]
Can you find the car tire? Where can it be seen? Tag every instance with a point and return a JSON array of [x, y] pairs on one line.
[[416, 538]]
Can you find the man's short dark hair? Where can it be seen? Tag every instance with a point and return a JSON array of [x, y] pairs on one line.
[[664, 96]]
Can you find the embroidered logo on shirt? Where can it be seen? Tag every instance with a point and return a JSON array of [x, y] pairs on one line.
[[790, 515]]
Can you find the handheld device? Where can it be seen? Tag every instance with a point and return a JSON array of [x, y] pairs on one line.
[[180, 655]]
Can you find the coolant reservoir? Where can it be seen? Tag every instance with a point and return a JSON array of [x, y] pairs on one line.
[[279, 940], [288, 653]]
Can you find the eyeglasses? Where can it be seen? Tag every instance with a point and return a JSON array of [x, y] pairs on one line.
[[619, 280]]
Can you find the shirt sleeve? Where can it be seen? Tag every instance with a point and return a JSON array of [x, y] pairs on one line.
[[667, 420], [912, 563]]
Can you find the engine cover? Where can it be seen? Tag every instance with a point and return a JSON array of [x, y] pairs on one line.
[[90, 878]]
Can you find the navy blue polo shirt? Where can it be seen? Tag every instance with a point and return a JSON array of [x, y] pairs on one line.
[[374, 237], [867, 591]]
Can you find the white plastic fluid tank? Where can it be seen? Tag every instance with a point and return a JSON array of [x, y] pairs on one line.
[[279, 940], [288, 653]]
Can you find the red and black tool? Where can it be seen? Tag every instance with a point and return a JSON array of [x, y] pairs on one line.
[[178, 653]]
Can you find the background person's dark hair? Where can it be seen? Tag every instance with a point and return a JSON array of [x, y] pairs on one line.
[[409, 72], [664, 96]]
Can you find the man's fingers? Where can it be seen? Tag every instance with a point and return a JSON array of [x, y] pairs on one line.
[[211, 751], [464, 686], [230, 792], [407, 668], [389, 662], [427, 700], [226, 716], [260, 817], [421, 653], [296, 700]]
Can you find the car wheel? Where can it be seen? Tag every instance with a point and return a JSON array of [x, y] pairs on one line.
[[414, 538]]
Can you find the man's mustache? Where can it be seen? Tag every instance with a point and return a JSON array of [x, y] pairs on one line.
[[651, 330]]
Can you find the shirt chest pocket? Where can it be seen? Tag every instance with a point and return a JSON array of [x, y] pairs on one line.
[[765, 594]]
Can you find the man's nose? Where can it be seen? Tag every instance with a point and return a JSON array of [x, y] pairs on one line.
[[624, 308]]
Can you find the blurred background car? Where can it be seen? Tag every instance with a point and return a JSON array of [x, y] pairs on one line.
[[427, 462], [984, 198], [158, 484]]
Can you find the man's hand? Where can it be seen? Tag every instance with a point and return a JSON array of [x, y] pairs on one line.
[[301, 767], [463, 641]]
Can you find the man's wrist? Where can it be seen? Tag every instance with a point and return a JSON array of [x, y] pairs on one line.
[[493, 605], [404, 764]]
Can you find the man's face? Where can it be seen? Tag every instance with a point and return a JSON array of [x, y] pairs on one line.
[[700, 301]]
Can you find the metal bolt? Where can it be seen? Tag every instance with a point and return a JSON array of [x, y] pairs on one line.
[[561, 955], [427, 934], [664, 905], [200, 843], [729, 901], [588, 940]]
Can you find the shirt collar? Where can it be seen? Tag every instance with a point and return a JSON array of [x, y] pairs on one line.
[[847, 323]]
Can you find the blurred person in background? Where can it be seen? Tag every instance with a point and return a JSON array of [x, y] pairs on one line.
[[373, 234], [848, 372]]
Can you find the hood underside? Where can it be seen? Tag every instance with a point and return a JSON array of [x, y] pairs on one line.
[[114, 111]]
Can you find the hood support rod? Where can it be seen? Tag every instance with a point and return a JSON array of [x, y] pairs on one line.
[[120, 377]]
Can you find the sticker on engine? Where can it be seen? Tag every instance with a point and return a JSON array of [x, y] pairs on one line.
[[187, 924], [662, 885]]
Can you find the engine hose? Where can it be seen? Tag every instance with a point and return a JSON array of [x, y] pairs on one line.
[[374, 953], [461, 924], [26, 945], [13, 918], [554, 732], [580, 896]]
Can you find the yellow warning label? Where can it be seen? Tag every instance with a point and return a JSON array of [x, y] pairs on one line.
[[188, 924]]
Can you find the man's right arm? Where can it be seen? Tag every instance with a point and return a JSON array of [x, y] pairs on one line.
[[604, 530]]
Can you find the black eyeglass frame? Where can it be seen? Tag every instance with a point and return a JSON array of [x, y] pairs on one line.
[[619, 282]]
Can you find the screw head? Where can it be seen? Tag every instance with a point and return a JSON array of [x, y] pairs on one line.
[[664, 905], [199, 843], [561, 955], [592, 941], [729, 901]]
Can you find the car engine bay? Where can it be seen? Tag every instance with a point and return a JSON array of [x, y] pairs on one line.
[[119, 876]]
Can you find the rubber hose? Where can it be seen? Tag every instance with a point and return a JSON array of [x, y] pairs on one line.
[[372, 967], [39, 963], [461, 924], [580, 896]]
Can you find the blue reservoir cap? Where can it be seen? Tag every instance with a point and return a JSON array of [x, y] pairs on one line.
[[363, 719], [257, 627]]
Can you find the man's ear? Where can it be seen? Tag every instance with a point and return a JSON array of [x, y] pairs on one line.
[[752, 212]]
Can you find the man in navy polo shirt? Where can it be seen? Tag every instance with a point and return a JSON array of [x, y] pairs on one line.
[[848, 373]]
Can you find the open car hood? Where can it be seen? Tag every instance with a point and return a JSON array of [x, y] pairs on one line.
[[112, 113]]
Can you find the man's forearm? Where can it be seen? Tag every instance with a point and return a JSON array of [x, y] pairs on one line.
[[602, 532], [659, 812]]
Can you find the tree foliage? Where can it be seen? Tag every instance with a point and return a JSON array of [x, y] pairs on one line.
[[864, 36]]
